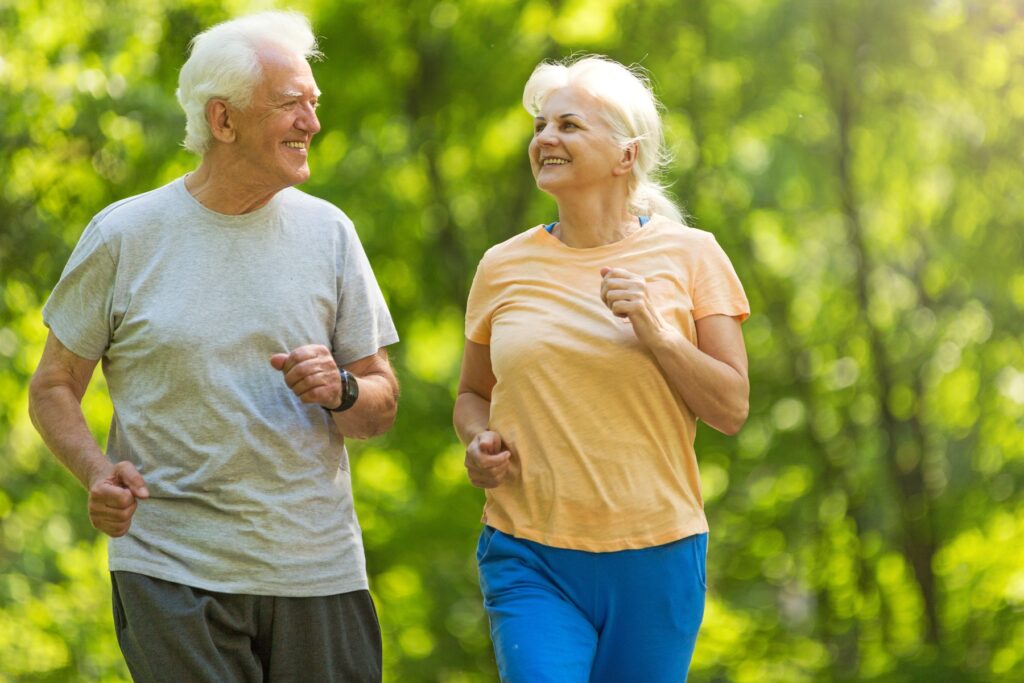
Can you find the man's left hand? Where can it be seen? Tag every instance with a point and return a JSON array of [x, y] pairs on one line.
[[310, 371]]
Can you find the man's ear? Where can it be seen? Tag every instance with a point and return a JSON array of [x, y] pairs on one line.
[[628, 158], [219, 116]]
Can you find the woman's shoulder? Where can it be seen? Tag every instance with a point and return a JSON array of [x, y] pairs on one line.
[[519, 245], [681, 233], [679, 229]]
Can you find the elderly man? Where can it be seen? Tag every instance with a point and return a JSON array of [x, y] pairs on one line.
[[243, 337]]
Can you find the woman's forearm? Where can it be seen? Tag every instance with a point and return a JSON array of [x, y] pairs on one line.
[[471, 415], [716, 392]]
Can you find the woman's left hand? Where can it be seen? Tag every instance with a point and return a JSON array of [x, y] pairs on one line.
[[626, 294]]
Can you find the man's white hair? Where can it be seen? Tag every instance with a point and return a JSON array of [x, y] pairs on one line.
[[225, 63], [630, 110]]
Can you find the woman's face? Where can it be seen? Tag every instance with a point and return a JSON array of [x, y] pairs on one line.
[[572, 146]]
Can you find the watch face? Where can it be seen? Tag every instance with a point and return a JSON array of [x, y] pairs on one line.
[[349, 390]]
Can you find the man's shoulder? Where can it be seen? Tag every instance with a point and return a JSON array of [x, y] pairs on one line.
[[139, 208], [294, 198]]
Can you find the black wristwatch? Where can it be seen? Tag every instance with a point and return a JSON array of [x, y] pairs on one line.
[[349, 391]]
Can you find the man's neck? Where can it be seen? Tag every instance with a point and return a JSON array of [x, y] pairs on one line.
[[225, 191]]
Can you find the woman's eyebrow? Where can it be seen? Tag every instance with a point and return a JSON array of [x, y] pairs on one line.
[[560, 116]]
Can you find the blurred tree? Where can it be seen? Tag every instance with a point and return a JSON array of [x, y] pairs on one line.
[[859, 160]]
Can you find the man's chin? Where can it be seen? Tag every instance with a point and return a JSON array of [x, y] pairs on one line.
[[300, 176]]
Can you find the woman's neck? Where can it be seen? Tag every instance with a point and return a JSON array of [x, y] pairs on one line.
[[594, 222]]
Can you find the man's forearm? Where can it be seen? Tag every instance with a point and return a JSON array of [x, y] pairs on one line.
[[374, 412], [57, 414]]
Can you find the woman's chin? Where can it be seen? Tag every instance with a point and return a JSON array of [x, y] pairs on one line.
[[550, 187]]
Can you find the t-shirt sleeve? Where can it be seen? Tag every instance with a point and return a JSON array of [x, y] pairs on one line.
[[363, 324], [717, 289], [78, 311], [480, 305]]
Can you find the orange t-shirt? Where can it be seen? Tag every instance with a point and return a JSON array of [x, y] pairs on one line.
[[602, 446]]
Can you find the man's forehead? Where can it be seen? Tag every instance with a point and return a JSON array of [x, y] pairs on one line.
[[287, 74]]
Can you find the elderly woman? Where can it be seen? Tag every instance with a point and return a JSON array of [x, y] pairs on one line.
[[593, 345]]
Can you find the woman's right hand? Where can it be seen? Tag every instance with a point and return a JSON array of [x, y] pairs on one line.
[[487, 460]]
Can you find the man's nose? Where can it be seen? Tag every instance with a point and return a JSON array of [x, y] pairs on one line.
[[308, 122]]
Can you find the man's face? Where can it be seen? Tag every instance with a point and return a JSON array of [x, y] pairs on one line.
[[273, 134]]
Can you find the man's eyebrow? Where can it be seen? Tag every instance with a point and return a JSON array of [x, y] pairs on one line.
[[296, 93]]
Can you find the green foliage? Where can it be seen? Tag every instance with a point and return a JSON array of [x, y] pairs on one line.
[[859, 161]]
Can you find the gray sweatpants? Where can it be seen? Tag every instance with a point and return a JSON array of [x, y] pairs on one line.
[[173, 633]]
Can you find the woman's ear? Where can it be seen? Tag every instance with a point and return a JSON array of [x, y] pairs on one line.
[[219, 116], [628, 158]]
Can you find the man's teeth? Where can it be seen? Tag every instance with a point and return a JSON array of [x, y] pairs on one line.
[[554, 162], [295, 145]]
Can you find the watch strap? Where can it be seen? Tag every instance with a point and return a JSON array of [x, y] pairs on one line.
[[349, 391]]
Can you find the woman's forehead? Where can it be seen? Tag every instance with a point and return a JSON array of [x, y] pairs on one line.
[[570, 100]]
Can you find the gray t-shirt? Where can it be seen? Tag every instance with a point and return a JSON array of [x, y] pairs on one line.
[[250, 490]]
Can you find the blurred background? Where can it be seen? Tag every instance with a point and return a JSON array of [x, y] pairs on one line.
[[860, 161]]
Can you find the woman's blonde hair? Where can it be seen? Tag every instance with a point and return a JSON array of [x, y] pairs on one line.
[[630, 110]]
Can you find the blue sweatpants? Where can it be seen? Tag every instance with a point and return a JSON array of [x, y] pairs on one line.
[[570, 616]]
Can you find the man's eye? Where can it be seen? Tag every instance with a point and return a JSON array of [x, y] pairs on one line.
[[569, 124]]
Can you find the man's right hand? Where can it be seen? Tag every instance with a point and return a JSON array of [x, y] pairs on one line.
[[487, 460], [112, 498]]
